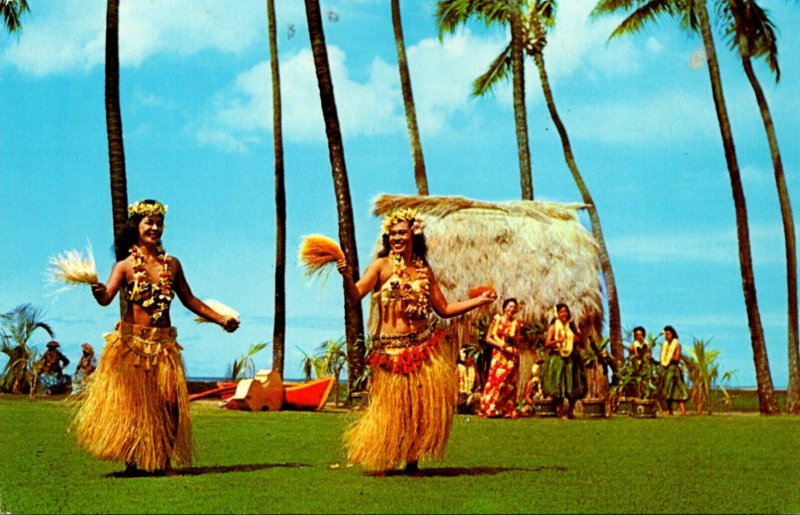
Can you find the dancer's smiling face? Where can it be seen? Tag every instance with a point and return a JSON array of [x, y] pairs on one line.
[[150, 229], [400, 237]]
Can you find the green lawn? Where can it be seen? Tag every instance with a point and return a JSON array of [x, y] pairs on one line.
[[289, 462]]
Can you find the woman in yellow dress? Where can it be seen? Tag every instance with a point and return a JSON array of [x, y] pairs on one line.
[[413, 388], [500, 393], [135, 407]]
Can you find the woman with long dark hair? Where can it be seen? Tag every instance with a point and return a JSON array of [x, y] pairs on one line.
[[413, 388], [136, 407]]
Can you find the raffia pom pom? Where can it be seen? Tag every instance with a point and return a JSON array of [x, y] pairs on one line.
[[73, 267], [220, 308], [479, 290], [318, 252]]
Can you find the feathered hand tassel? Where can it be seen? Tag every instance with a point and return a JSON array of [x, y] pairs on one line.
[[220, 308], [73, 267], [318, 252]]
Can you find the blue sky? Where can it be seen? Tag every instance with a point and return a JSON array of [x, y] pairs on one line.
[[196, 110]]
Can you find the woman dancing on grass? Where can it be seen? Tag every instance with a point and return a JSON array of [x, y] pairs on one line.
[[136, 407], [413, 388]]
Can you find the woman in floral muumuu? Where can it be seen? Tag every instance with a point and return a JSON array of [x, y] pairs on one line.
[[413, 388], [500, 393]]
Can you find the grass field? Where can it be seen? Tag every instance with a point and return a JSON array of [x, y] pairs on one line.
[[292, 462]]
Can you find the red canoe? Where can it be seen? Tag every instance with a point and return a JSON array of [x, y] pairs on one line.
[[224, 389], [311, 395]]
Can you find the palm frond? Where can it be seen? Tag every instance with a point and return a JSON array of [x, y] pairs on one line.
[[497, 71], [643, 13], [748, 29], [452, 13]]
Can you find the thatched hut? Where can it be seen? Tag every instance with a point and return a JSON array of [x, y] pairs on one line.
[[537, 252]]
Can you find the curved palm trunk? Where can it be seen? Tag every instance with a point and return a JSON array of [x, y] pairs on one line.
[[116, 149], [614, 319], [520, 114], [420, 175], [793, 391], [279, 324], [354, 320], [766, 393]]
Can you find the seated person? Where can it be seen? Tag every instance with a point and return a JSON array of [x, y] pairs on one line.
[[468, 390], [52, 375]]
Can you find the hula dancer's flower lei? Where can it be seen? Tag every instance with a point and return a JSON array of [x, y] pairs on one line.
[[159, 294], [147, 209], [416, 300]]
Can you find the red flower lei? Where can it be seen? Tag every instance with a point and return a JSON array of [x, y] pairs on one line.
[[406, 361]]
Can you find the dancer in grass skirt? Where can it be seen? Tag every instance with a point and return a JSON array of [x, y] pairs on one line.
[[413, 388], [134, 407]]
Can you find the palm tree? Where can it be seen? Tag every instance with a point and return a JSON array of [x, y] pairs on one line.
[[451, 13], [279, 324], [354, 319], [333, 359], [12, 12], [420, 176], [752, 33], [693, 14], [116, 149], [536, 19], [18, 325]]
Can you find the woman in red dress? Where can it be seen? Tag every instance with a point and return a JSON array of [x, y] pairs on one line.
[[500, 393]]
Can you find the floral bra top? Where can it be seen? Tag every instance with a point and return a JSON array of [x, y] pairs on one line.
[[147, 293], [413, 295]]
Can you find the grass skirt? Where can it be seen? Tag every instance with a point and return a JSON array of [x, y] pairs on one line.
[[135, 406], [409, 416], [673, 387], [564, 377]]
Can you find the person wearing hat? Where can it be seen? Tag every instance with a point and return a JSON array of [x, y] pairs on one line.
[[86, 365], [52, 372], [52, 359]]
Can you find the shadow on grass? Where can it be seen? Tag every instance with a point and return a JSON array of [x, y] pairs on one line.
[[198, 471], [461, 471]]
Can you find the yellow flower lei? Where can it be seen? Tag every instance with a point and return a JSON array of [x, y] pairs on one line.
[[416, 301], [564, 330], [160, 293], [667, 351]]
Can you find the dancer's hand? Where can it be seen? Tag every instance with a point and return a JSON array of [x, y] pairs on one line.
[[230, 324], [488, 297], [342, 267]]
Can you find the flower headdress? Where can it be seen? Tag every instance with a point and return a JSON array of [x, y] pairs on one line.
[[143, 208], [408, 215]]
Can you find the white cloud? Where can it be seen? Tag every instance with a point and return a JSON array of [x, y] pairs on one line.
[[442, 75], [370, 107], [664, 117], [714, 247], [69, 35]]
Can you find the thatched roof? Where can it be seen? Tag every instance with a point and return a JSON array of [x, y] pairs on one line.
[[537, 252]]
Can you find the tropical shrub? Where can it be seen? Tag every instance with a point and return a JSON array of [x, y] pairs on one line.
[[16, 328]]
